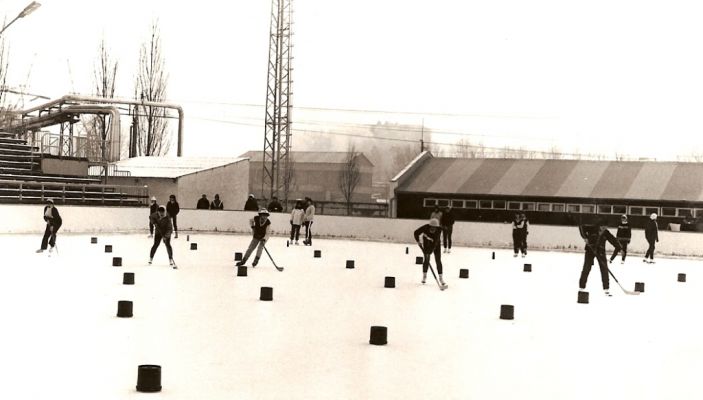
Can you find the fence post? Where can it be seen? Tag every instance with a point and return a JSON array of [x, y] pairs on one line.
[[20, 191]]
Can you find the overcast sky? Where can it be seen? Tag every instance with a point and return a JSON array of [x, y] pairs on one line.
[[600, 76]]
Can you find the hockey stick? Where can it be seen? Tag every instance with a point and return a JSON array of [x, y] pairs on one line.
[[271, 258], [630, 292], [441, 287]]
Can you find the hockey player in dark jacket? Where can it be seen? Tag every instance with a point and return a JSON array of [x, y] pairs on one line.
[[651, 233], [153, 207], [53, 223], [261, 230], [428, 238], [595, 237], [624, 235], [163, 228], [520, 226]]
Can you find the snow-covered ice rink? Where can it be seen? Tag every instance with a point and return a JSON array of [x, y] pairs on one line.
[[214, 339]]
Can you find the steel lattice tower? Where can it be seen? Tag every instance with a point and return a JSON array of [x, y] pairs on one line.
[[277, 138]]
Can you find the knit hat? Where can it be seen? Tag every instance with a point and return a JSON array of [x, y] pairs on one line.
[[264, 211], [653, 216], [50, 201], [434, 222], [153, 198], [624, 217]]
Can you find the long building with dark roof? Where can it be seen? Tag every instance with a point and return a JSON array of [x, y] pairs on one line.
[[549, 191]]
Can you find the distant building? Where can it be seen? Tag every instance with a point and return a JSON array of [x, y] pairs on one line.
[[549, 191], [316, 175], [186, 177]]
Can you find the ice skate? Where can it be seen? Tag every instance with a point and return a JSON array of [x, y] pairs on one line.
[[40, 251], [172, 263], [449, 251], [256, 261], [296, 243], [241, 263], [607, 293], [524, 255], [515, 255], [176, 236], [51, 249], [150, 235], [150, 261], [622, 262], [424, 278], [652, 262]]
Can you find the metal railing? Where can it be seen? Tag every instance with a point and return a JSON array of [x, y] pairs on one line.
[[99, 170], [94, 150], [73, 193], [379, 210]]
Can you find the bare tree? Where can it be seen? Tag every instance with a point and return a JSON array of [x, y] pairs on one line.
[[5, 115], [349, 176], [151, 83], [104, 83]]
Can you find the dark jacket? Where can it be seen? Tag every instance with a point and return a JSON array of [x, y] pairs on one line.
[[217, 206], [203, 204], [251, 205], [259, 229], [651, 231], [172, 208], [153, 208], [162, 225], [624, 232], [520, 228], [429, 240], [447, 219], [55, 221], [274, 206], [596, 240]]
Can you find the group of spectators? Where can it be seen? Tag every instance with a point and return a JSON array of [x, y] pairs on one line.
[[205, 204]]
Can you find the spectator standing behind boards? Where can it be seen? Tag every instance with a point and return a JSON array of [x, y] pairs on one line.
[[172, 208], [203, 203], [251, 204], [623, 236], [275, 205], [436, 214], [296, 219], [447, 222], [53, 223], [217, 204], [152, 209], [651, 233], [307, 221]]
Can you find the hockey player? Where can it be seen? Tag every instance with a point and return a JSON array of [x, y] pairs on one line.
[[172, 208], [595, 237], [428, 238], [623, 235], [308, 220], [163, 228], [296, 219], [260, 227], [651, 233], [153, 207], [520, 226], [53, 223]]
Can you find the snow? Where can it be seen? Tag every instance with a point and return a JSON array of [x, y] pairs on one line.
[[215, 340]]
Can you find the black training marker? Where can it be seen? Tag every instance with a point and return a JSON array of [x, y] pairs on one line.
[[266, 293], [128, 278], [682, 278], [583, 297], [93, 240], [242, 271], [116, 261], [389, 282], [318, 253], [108, 248], [149, 378], [379, 335], [407, 250], [237, 256], [493, 255], [124, 309], [464, 273], [419, 260], [639, 286], [527, 268], [194, 246], [350, 264], [187, 238], [506, 311]]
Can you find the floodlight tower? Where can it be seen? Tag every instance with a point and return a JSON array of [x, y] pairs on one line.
[[277, 132]]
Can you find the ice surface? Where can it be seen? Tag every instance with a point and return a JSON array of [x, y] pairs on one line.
[[215, 340]]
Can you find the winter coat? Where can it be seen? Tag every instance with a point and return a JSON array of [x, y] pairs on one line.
[[624, 233], [447, 219], [429, 240], [217, 205], [55, 220], [172, 208], [651, 231], [260, 230], [296, 216], [275, 206], [251, 205], [595, 241], [309, 213], [153, 208], [203, 204], [162, 225], [520, 228]]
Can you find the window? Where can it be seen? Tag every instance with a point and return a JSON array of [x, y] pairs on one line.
[[513, 205], [442, 202], [588, 209], [573, 208], [684, 212], [668, 211], [430, 202], [485, 204], [651, 210], [558, 207], [636, 211], [528, 206], [470, 204], [458, 203], [619, 210], [605, 209], [543, 207], [699, 212], [499, 204]]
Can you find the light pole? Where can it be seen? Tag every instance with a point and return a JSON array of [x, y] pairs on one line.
[[27, 10]]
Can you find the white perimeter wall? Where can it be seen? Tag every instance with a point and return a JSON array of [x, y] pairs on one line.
[[28, 219]]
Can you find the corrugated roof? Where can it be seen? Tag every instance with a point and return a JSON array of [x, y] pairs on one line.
[[635, 180], [323, 157], [170, 167]]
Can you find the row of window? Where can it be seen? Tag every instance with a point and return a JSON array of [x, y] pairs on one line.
[[564, 207]]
